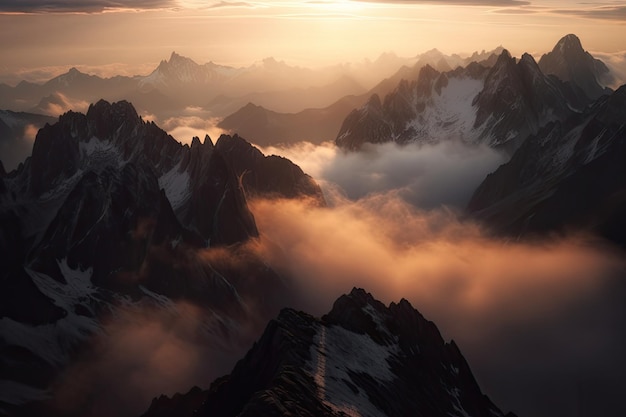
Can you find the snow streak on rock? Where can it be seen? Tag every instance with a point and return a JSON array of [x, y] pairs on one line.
[[337, 353]]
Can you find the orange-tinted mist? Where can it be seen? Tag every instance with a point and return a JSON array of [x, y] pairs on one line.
[[387, 246], [531, 318], [142, 352]]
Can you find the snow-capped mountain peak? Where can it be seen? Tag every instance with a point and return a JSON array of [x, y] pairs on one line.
[[498, 105], [361, 359]]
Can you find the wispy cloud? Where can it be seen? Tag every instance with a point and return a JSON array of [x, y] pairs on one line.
[[226, 4], [82, 6], [613, 11], [496, 3], [98, 6], [598, 11]]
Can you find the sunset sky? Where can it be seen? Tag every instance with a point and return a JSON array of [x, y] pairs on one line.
[[45, 37]]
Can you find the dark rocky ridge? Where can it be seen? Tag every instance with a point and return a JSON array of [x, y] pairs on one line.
[[266, 176], [570, 62], [16, 143], [517, 98], [267, 127], [570, 175], [110, 209], [290, 370]]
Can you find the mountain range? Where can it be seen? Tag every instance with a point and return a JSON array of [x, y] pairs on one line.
[[318, 125], [563, 128], [294, 95], [17, 134], [568, 176], [112, 227], [362, 358], [498, 106], [110, 212]]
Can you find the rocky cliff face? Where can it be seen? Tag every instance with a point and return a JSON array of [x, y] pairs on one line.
[[570, 62], [266, 176], [569, 175], [498, 106], [110, 210], [362, 358], [498, 102]]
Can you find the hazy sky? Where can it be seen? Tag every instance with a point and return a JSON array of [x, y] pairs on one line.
[[131, 36]]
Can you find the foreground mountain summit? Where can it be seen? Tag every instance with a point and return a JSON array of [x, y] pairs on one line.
[[361, 359]]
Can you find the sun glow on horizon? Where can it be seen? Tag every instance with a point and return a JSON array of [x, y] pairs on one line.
[[312, 33]]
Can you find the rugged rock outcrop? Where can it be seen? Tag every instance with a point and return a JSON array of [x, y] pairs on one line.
[[570, 62], [362, 358], [110, 210], [266, 176], [569, 175], [498, 104]]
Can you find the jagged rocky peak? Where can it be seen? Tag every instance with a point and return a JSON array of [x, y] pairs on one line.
[[434, 58], [504, 64], [175, 60], [64, 80], [498, 105], [176, 57], [361, 313], [266, 176], [528, 61], [73, 72], [195, 141], [539, 190], [109, 116], [518, 99], [374, 103], [570, 62], [104, 212], [56, 154], [362, 358], [105, 125], [365, 125], [530, 72], [425, 80], [569, 43], [615, 110]]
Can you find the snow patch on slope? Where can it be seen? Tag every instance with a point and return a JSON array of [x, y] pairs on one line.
[[450, 115], [97, 154], [334, 356], [53, 342], [176, 186], [566, 149], [62, 188]]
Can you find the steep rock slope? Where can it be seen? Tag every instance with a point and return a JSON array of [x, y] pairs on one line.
[[266, 176], [322, 124], [570, 174], [111, 211], [570, 62], [497, 106], [16, 135], [362, 358], [495, 103], [268, 127]]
